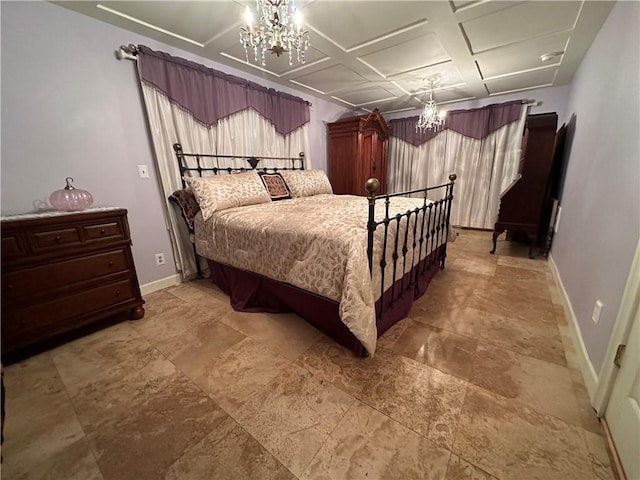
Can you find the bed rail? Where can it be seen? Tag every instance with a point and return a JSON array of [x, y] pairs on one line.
[[431, 225], [288, 163]]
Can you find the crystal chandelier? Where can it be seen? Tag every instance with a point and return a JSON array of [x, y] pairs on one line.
[[279, 30], [430, 118]]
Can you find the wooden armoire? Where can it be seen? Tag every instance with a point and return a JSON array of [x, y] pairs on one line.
[[357, 150], [525, 208]]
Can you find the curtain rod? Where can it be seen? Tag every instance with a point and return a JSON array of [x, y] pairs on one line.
[[129, 52]]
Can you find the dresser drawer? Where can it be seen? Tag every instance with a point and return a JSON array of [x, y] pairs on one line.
[[54, 238], [13, 246], [42, 278], [62, 313], [103, 230]]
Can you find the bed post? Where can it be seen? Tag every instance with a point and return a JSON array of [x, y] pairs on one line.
[[372, 186], [181, 162], [301, 156], [449, 199], [182, 165]]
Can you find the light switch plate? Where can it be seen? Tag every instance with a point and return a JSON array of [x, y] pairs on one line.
[[597, 310]]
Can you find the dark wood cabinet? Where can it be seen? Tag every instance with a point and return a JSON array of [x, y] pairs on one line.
[[61, 271], [525, 207], [357, 150]]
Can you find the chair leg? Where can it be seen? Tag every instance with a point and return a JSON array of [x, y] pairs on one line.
[[495, 239]]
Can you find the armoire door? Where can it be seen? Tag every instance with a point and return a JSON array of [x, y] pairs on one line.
[[357, 151], [374, 158]]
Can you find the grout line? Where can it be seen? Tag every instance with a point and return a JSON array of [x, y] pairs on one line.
[[330, 433], [75, 414], [455, 436]]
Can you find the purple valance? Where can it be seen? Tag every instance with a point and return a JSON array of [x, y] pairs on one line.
[[477, 123], [211, 95]]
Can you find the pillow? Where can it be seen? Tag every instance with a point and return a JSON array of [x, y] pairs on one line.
[[306, 183], [275, 185], [188, 204], [219, 192]]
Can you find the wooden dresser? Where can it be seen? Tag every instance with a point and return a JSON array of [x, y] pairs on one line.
[[61, 271], [525, 207], [357, 150]]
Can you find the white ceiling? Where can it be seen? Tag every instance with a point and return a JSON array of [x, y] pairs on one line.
[[378, 54]]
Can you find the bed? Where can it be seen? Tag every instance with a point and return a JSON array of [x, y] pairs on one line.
[[350, 265]]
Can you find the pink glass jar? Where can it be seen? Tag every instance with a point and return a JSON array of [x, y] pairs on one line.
[[70, 198]]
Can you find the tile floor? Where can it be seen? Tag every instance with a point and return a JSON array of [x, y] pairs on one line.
[[479, 382]]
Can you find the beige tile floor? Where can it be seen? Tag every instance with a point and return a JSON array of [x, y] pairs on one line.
[[479, 382]]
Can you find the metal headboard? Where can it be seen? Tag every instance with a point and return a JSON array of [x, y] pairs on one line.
[[289, 163]]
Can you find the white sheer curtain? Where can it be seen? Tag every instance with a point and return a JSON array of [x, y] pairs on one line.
[[485, 166], [244, 133]]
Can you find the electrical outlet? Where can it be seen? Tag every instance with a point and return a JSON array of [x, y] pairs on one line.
[[159, 258], [143, 171], [597, 310]]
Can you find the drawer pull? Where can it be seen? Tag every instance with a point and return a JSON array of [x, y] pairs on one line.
[[111, 263], [58, 238], [102, 231], [117, 293], [10, 286]]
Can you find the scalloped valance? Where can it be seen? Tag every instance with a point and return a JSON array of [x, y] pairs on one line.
[[210, 95], [476, 123]]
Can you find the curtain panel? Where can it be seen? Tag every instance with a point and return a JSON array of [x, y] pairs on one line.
[[208, 111], [482, 146]]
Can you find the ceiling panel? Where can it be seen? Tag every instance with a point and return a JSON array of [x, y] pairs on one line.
[[198, 21], [418, 80], [365, 95], [521, 56], [518, 82], [277, 65], [359, 47], [482, 7], [394, 105], [520, 22], [453, 94], [331, 79], [409, 55], [350, 24], [463, 3]]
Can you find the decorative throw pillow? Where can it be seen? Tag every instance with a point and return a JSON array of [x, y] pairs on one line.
[[219, 192], [275, 185], [188, 204], [306, 183]]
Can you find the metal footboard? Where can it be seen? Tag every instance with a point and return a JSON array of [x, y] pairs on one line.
[[429, 235]]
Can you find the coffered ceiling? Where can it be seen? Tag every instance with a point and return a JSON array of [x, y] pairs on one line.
[[379, 54]]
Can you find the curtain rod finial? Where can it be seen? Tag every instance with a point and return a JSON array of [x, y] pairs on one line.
[[128, 52]]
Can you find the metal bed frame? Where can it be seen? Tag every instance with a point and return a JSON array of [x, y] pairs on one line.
[[436, 214], [290, 163], [433, 228]]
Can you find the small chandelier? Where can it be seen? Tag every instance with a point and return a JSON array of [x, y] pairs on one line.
[[430, 118], [279, 30]]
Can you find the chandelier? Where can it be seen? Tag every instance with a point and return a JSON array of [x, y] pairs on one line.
[[279, 30], [430, 118]]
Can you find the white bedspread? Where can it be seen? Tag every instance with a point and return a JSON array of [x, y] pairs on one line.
[[319, 244]]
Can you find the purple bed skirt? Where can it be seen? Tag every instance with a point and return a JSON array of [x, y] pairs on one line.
[[250, 292]]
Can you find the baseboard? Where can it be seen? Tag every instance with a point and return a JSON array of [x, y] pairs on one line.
[[589, 374], [156, 285], [614, 458]]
